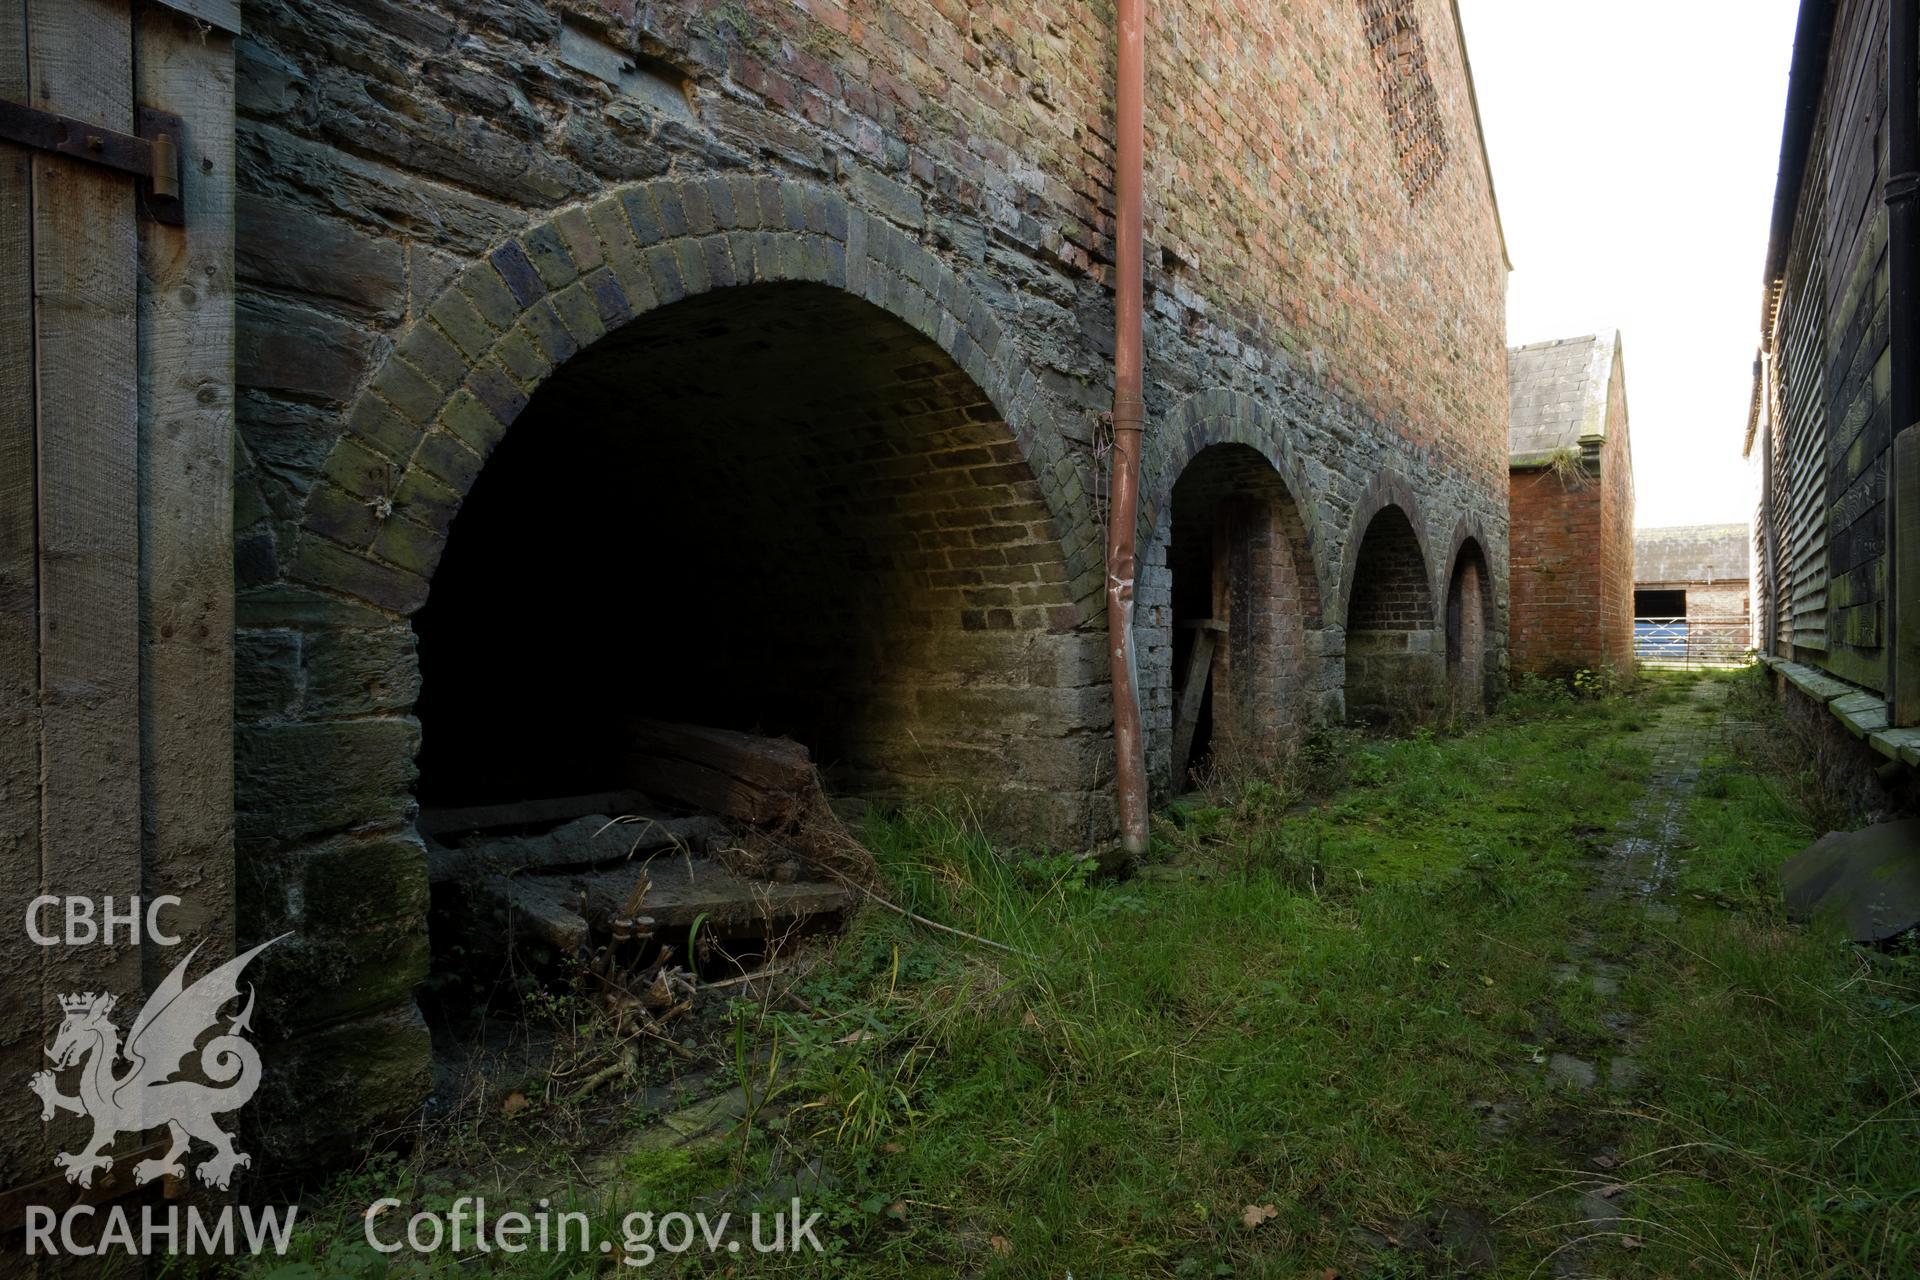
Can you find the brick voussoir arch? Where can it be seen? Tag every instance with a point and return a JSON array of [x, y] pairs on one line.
[[1387, 489], [1224, 416], [1467, 527], [418, 433]]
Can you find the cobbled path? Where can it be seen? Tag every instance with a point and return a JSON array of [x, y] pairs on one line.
[[1637, 868]]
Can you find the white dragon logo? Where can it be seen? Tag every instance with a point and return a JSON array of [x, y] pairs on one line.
[[146, 1096]]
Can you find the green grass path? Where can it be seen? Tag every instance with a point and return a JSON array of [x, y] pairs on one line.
[[1513, 1002]]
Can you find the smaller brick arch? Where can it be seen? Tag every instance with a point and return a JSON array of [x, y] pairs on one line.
[[1229, 533], [1469, 528], [1222, 416], [1387, 489], [1395, 649], [1470, 621]]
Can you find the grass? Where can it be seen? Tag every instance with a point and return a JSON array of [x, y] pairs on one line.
[[1329, 995], [1782, 1140]]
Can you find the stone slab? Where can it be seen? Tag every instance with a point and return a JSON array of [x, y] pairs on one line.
[[1897, 744], [1861, 713], [1815, 684]]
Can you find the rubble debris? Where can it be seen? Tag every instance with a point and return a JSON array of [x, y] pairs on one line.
[[1868, 879], [562, 911], [591, 841], [624, 898], [438, 823], [769, 784]]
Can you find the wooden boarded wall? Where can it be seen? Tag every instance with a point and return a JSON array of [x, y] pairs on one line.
[[116, 583], [1832, 360]]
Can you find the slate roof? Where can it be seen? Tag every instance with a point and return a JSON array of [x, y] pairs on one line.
[[1557, 394], [1692, 553]]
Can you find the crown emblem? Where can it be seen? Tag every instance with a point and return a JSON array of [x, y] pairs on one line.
[[84, 1002]]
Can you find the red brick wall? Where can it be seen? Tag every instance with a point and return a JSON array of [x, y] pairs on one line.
[[1615, 619], [1557, 616], [1572, 556]]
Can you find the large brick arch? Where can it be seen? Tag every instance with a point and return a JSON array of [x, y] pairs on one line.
[[418, 433], [327, 771], [1296, 684]]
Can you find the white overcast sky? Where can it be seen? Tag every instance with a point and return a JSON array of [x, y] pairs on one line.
[[1634, 147]]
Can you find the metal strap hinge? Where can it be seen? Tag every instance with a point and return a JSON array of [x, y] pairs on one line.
[[152, 154]]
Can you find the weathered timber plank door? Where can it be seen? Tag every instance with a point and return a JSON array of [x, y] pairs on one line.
[[116, 585]]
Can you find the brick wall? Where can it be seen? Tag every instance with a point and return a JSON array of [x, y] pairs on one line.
[[1615, 548], [1572, 554], [441, 204], [1572, 593], [1557, 619]]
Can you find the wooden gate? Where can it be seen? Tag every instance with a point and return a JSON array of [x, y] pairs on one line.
[[116, 581]]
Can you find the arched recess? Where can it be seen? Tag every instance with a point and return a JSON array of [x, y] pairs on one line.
[[1469, 629], [772, 508], [752, 443], [1227, 540], [1395, 657]]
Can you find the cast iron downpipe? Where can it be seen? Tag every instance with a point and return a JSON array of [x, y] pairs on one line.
[[1129, 421], [1903, 313]]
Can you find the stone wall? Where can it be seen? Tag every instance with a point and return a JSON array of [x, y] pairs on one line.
[[443, 204]]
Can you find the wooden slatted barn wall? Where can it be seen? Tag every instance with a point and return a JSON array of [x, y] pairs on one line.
[[1799, 454], [1830, 351], [116, 581], [1858, 381]]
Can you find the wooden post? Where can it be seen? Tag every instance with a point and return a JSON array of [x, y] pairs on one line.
[[116, 592], [20, 1001], [1903, 479], [1193, 691], [80, 63]]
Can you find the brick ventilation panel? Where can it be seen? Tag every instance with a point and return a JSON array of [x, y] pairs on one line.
[[774, 508], [1393, 662], [1406, 89]]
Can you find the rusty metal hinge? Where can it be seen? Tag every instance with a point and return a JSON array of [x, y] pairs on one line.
[[152, 154]]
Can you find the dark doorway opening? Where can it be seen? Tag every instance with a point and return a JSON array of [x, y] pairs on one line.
[[1243, 594], [1660, 604]]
